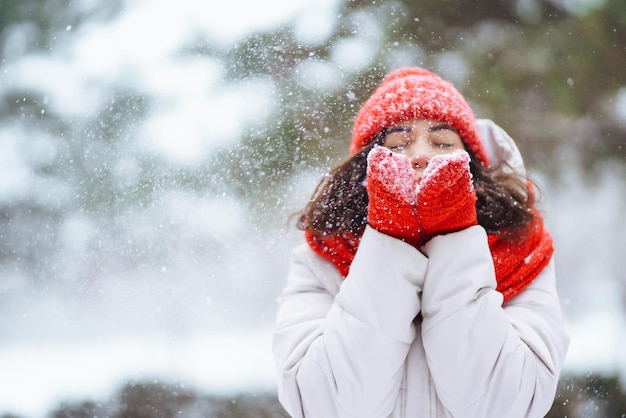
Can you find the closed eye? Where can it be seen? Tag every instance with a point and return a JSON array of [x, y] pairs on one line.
[[397, 137], [440, 135]]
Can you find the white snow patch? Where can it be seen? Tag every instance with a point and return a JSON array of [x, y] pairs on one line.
[[15, 176], [393, 170], [598, 340], [439, 162], [187, 129], [319, 75], [620, 105], [47, 373], [353, 54], [315, 21], [452, 66]]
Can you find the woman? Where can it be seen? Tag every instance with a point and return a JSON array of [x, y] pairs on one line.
[[426, 286]]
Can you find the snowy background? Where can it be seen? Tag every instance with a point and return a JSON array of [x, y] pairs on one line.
[[142, 238]]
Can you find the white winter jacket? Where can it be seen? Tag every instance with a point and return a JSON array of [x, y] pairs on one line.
[[418, 334]]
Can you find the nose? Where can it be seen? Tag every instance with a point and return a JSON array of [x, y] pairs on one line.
[[419, 153], [420, 161]]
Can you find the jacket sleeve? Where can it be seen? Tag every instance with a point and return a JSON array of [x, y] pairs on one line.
[[487, 360], [343, 355]]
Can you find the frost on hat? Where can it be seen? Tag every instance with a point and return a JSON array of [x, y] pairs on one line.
[[416, 93]]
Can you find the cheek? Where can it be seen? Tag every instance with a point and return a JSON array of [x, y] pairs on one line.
[[456, 145], [457, 142]]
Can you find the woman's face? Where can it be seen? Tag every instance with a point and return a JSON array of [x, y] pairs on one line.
[[422, 139]]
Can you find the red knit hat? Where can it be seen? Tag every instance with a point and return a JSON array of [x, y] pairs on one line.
[[416, 93]]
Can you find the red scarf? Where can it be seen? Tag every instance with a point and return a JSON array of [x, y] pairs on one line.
[[516, 263]]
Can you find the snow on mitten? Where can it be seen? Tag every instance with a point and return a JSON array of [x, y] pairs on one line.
[[392, 191], [447, 200]]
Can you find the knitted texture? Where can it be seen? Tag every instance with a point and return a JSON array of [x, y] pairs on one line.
[[392, 192], [416, 93], [517, 265], [338, 249], [446, 198]]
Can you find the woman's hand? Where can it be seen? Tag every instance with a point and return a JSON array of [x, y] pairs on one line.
[[392, 190], [447, 199]]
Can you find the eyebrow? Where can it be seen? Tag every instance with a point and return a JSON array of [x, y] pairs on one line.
[[435, 128], [397, 129], [441, 127]]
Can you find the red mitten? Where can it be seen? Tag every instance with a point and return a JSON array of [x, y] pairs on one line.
[[447, 200], [392, 191]]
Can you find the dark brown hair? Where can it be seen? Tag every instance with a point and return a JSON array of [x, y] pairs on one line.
[[339, 203]]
